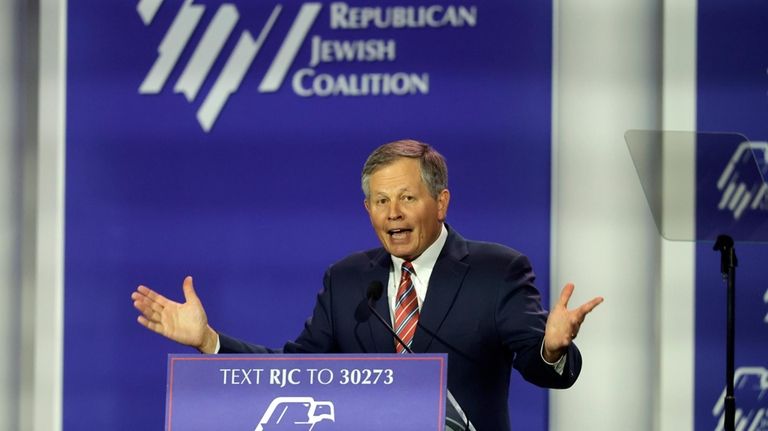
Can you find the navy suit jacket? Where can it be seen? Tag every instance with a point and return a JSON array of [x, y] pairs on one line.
[[481, 308]]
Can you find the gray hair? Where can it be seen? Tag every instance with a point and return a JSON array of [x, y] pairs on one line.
[[434, 171]]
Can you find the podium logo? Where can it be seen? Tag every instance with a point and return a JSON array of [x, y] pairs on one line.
[[295, 413], [741, 184], [209, 48], [751, 391]]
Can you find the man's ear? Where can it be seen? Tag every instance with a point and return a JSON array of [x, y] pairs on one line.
[[443, 199], [366, 205]]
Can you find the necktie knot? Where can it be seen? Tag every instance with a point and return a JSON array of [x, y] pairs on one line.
[[408, 267]]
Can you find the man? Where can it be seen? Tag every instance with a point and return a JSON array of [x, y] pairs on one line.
[[474, 301]]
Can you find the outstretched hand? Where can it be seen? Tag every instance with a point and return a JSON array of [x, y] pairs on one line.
[[563, 324], [184, 323]]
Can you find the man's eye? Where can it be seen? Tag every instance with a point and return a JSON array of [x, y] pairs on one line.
[[381, 202], [408, 198]]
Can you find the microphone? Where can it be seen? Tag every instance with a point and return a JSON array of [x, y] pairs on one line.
[[374, 292]]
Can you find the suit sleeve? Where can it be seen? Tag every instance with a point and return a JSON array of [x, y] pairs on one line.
[[317, 336], [521, 320]]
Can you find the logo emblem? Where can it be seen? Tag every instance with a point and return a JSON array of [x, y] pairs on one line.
[[740, 183], [210, 48], [350, 58], [765, 299], [295, 413], [751, 389]]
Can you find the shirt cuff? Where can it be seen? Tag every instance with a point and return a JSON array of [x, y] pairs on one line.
[[559, 366]]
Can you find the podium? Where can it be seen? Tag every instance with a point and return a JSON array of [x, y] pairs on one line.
[[306, 392]]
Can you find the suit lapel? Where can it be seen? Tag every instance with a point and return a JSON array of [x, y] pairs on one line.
[[383, 342], [444, 284]]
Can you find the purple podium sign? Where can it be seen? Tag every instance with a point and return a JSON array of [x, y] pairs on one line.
[[306, 392]]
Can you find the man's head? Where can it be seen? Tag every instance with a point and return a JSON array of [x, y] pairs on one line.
[[406, 196]]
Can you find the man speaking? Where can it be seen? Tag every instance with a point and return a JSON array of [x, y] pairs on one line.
[[473, 300]]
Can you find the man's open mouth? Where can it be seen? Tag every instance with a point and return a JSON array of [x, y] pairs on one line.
[[399, 233]]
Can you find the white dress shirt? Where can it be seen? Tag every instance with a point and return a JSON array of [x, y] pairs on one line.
[[422, 268]]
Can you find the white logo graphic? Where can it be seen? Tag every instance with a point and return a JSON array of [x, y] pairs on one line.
[[765, 299], [750, 387], [740, 189], [209, 48], [303, 412], [307, 80]]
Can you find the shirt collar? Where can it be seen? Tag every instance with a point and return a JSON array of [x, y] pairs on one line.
[[427, 259]]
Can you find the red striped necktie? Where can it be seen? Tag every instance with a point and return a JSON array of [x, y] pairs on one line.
[[406, 308]]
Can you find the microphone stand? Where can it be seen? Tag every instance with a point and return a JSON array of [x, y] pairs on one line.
[[391, 331], [373, 296], [728, 263]]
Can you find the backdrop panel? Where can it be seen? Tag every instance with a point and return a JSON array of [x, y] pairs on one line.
[[732, 86], [225, 140]]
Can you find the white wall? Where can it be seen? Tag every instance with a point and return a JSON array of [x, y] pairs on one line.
[[43, 243], [613, 72], [39, 30], [675, 300], [607, 79], [10, 203]]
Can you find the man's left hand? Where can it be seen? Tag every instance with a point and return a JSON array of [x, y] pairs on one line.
[[563, 324]]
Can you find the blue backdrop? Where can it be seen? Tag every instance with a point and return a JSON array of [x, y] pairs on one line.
[[256, 201], [732, 84]]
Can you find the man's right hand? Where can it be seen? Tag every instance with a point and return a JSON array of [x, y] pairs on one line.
[[184, 323]]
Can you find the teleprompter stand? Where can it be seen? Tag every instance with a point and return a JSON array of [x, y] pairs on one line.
[[700, 186], [728, 263]]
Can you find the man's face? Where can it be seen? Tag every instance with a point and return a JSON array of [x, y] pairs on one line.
[[406, 218]]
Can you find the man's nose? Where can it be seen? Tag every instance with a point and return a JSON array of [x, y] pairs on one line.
[[394, 211]]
